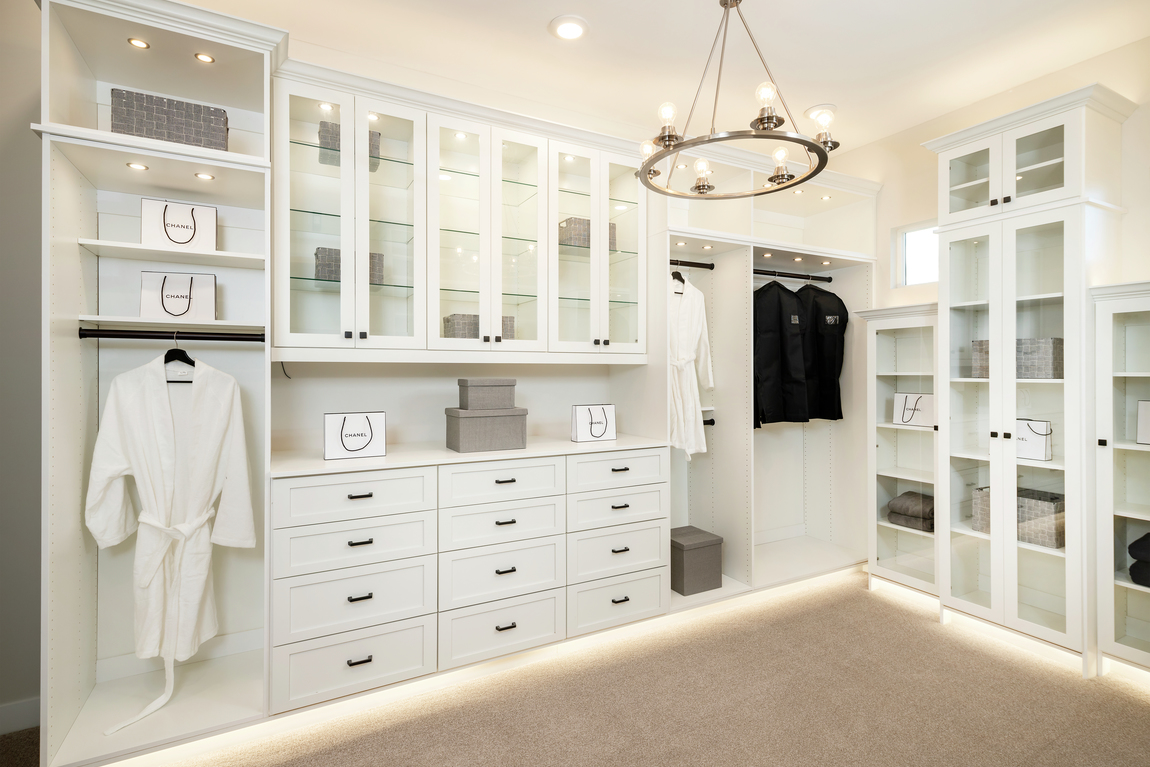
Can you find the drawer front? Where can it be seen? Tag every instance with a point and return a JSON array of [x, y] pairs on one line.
[[616, 550], [464, 526], [472, 576], [601, 508], [626, 468], [491, 481], [323, 669], [509, 625], [316, 548], [310, 606], [312, 500], [615, 601]]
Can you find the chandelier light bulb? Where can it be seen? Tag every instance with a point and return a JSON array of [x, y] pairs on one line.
[[766, 93], [824, 118], [702, 167], [647, 148], [780, 156], [667, 113]]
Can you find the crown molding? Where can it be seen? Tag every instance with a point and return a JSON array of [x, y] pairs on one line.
[[898, 312], [1121, 291]]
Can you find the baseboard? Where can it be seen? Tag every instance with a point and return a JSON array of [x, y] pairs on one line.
[[19, 715], [780, 534], [218, 646]]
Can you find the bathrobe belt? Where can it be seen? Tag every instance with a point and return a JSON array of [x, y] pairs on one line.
[[176, 534]]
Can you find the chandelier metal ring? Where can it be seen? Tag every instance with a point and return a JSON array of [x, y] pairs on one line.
[[820, 155]]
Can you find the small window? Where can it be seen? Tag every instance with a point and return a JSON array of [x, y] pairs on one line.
[[916, 254]]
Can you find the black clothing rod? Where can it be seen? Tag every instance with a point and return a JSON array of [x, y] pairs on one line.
[[696, 264], [709, 422], [169, 335], [793, 275]]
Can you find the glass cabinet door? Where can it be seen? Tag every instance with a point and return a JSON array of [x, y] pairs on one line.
[[1039, 162], [459, 234], [576, 221], [390, 226], [624, 312], [970, 180], [315, 182], [519, 269]]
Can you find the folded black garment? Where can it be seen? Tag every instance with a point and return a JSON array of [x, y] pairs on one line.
[[1140, 573], [917, 523], [1140, 549], [911, 504]]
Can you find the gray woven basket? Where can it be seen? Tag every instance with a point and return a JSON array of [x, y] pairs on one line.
[[980, 359], [980, 508], [329, 145], [467, 326], [1041, 516], [576, 232], [327, 265], [1040, 357], [142, 114]]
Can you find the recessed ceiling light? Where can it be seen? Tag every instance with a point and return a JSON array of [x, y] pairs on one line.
[[568, 27], [826, 196], [205, 58], [798, 191], [569, 158], [1018, 178], [459, 250], [798, 258], [444, 177], [138, 43], [680, 243], [766, 255], [372, 116], [326, 107], [826, 263], [137, 166], [461, 135], [620, 207], [205, 176], [706, 247], [976, 242], [681, 166]]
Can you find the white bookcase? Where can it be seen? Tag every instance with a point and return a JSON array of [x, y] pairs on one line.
[[901, 347]]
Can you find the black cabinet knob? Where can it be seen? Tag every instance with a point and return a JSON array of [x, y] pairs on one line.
[[1006, 199], [596, 342], [498, 339], [994, 434], [1101, 443], [1006, 435], [993, 202], [347, 334], [363, 334], [487, 339], [606, 342]]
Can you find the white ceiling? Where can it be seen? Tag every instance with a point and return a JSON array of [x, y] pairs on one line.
[[888, 65]]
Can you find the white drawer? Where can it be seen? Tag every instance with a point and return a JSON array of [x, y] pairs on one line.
[[616, 550], [497, 628], [615, 601], [489, 523], [490, 481], [323, 669], [626, 468], [310, 606], [485, 574], [316, 548], [601, 508], [311, 500]]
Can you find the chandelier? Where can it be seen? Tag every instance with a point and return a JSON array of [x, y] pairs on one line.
[[765, 127]]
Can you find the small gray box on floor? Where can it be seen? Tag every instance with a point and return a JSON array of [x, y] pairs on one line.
[[696, 560], [486, 393], [473, 431]]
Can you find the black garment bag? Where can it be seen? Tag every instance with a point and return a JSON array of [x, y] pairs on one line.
[[780, 373], [824, 337]]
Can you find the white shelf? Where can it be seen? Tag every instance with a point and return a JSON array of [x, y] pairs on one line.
[[1045, 618], [137, 252], [908, 576], [969, 184], [911, 475], [896, 375], [151, 145], [964, 528], [1040, 298], [977, 597], [970, 455], [730, 588], [479, 356], [966, 304], [1043, 549], [1132, 511], [1055, 465], [908, 427], [1132, 375], [1037, 165], [135, 323], [1127, 444], [970, 380], [1122, 578], [795, 559], [1029, 381], [882, 522]]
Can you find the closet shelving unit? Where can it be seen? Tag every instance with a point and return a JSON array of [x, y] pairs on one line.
[[93, 258], [901, 356]]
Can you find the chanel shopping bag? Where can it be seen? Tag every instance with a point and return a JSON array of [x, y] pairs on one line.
[[1032, 439], [591, 423], [178, 297], [914, 409], [354, 435], [177, 226]]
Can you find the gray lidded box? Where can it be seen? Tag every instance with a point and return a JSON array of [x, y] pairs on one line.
[[486, 393], [473, 431], [696, 560]]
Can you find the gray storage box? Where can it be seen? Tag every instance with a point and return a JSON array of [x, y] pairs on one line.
[[980, 510], [980, 359], [696, 560], [1040, 357], [473, 431], [467, 326], [142, 114], [486, 393], [576, 232], [327, 266], [329, 145]]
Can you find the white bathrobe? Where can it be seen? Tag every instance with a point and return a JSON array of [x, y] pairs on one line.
[[184, 447], [690, 362]]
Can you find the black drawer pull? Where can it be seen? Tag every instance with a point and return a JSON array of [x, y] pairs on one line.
[[621, 506], [625, 468], [368, 595], [620, 601], [1006, 435], [505, 572], [504, 481], [621, 551], [359, 662], [994, 434], [500, 523], [508, 627], [368, 542], [353, 497]]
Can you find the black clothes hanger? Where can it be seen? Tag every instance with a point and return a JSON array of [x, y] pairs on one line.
[[678, 276], [177, 354]]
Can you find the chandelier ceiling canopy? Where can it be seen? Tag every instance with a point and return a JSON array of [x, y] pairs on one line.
[[766, 126]]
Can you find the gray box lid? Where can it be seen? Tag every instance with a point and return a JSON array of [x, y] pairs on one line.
[[688, 537], [455, 412], [486, 381]]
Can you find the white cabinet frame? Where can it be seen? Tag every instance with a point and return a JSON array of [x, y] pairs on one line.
[[597, 250]]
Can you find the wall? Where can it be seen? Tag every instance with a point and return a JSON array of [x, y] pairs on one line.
[[909, 171], [20, 369]]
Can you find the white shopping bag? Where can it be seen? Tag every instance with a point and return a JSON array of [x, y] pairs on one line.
[[1143, 436], [1032, 439], [178, 297], [354, 435], [592, 423], [177, 226], [914, 409]]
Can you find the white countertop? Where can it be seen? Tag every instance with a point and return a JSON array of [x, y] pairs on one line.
[[297, 463]]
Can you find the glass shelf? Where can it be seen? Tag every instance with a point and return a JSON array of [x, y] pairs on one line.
[[574, 192], [316, 285]]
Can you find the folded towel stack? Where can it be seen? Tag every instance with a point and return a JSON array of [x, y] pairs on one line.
[[1140, 570], [913, 510]]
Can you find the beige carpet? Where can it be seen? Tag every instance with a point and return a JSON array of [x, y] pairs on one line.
[[826, 675], [21, 748]]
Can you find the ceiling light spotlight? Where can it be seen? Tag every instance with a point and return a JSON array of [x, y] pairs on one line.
[[826, 196], [798, 258], [680, 244], [444, 177], [766, 255], [1018, 178], [204, 176], [461, 135], [682, 166], [798, 191], [569, 158], [205, 58], [137, 166], [138, 43], [706, 247], [568, 27], [326, 107], [826, 263], [372, 116]]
